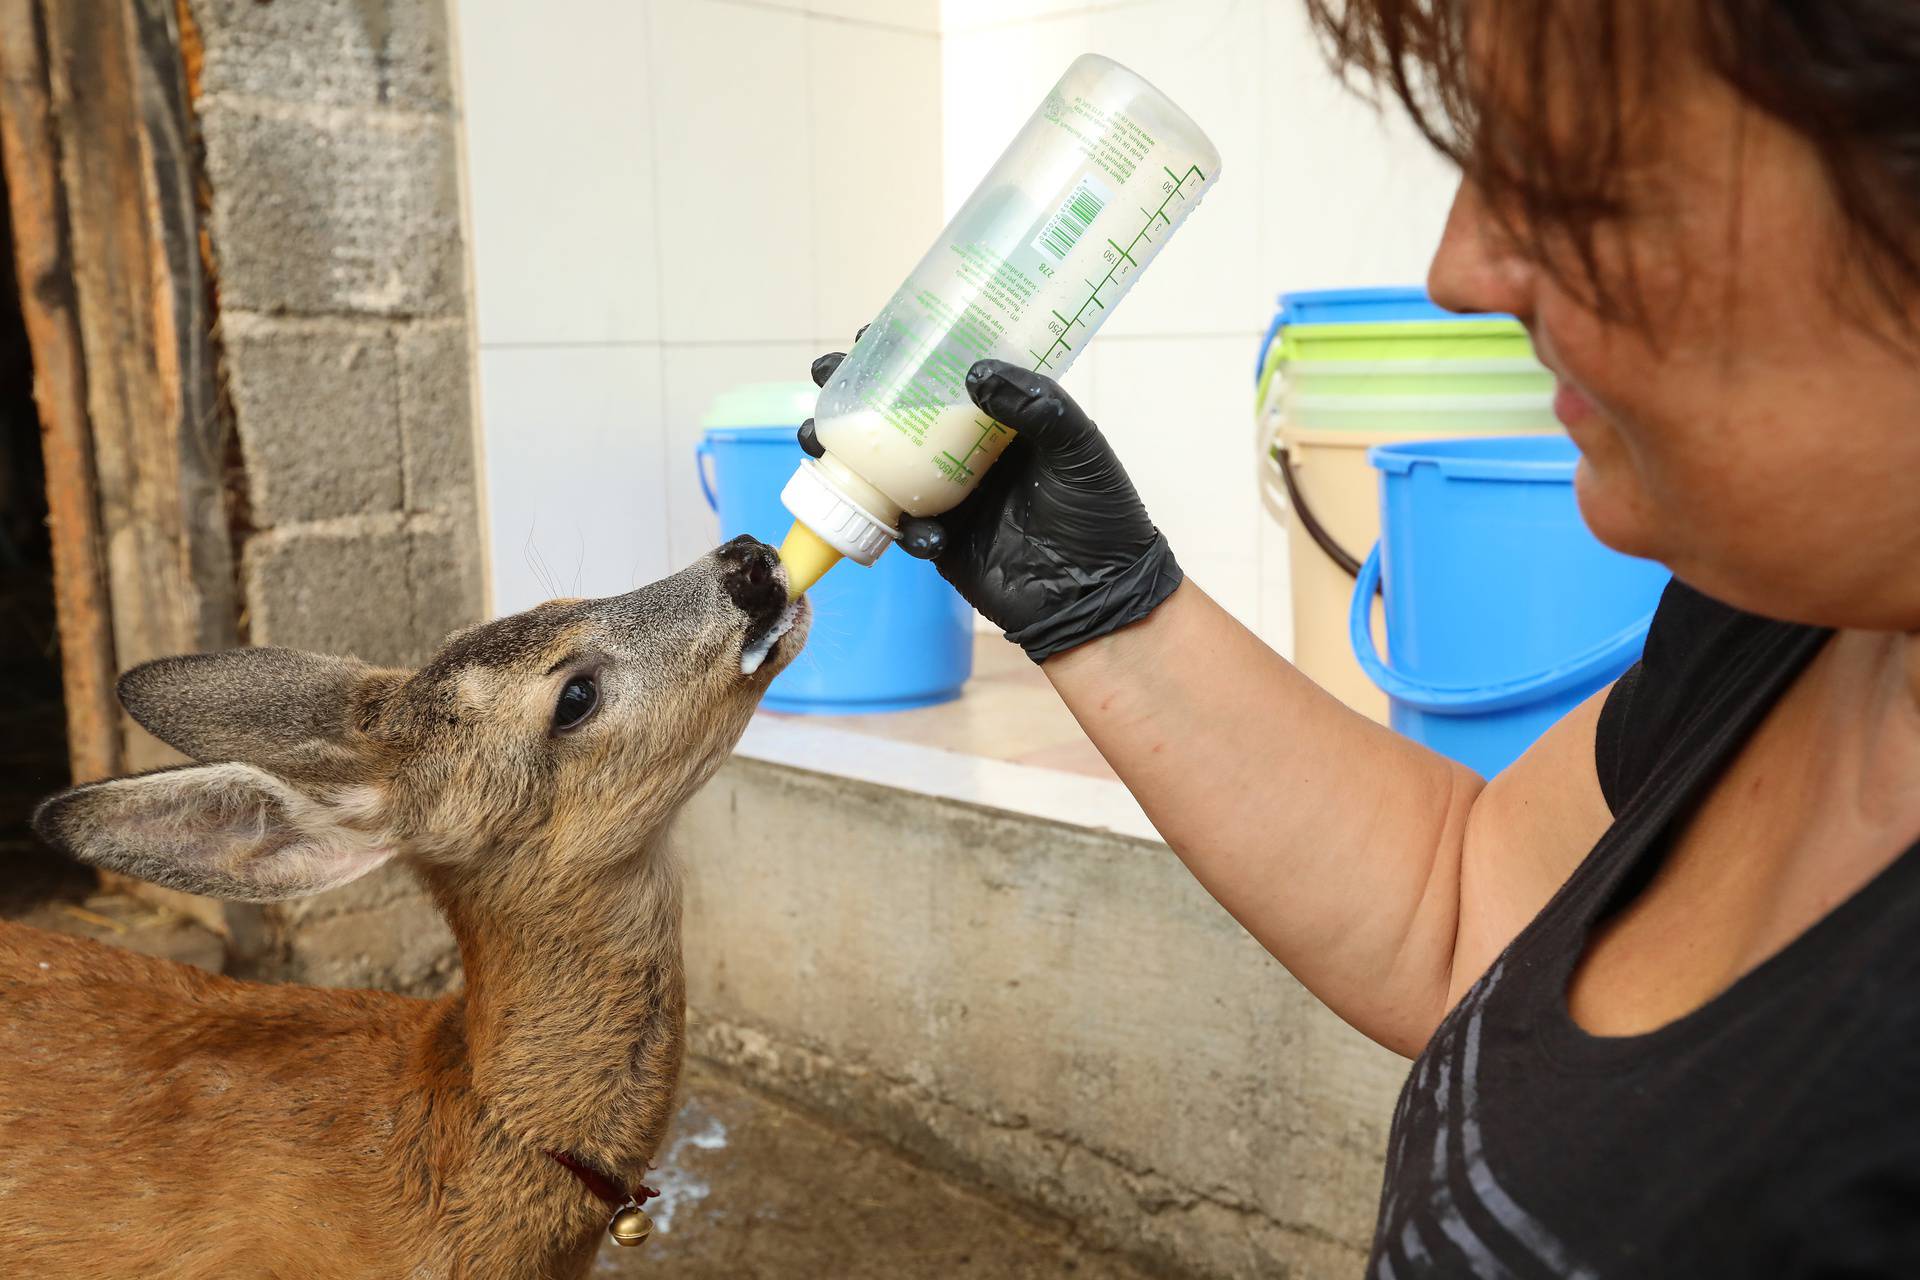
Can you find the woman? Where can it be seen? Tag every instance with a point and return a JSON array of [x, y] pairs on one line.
[[1660, 975]]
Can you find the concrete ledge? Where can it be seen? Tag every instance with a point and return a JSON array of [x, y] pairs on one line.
[[1065, 799], [1059, 1012]]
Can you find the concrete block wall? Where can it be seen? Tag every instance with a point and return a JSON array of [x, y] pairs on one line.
[[331, 156], [1060, 1012]]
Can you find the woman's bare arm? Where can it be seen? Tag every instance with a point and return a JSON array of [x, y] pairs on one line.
[[1377, 871]]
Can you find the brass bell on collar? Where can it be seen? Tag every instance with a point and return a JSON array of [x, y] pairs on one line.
[[630, 1226]]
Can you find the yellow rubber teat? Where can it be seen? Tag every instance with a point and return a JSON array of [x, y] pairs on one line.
[[807, 558]]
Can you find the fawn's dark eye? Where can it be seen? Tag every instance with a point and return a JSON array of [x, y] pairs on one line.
[[577, 701]]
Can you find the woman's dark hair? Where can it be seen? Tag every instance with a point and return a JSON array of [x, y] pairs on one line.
[[1844, 73]]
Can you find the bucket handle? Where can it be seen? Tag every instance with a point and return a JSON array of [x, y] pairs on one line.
[[702, 452], [1321, 535], [1611, 655], [1281, 459]]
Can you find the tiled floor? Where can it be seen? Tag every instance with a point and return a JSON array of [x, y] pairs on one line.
[[1009, 712]]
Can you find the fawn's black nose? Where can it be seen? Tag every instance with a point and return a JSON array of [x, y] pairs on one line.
[[751, 575]]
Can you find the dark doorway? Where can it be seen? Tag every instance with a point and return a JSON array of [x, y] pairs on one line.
[[33, 727]]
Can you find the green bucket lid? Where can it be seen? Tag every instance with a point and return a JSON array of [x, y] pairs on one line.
[[1408, 340], [1431, 343], [762, 404]]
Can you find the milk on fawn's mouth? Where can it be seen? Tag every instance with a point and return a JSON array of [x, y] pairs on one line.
[[1089, 191]]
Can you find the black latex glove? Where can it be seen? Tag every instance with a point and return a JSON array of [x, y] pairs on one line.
[[1054, 546]]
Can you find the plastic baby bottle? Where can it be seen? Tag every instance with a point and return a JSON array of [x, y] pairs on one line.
[[1090, 190]]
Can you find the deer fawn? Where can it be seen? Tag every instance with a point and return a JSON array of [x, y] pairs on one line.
[[159, 1121]]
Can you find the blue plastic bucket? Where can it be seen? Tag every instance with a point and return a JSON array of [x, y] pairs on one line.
[[888, 638], [1503, 612]]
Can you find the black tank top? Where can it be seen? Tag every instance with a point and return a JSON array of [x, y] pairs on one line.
[[1773, 1132]]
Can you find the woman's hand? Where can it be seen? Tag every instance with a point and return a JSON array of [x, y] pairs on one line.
[[1055, 546]]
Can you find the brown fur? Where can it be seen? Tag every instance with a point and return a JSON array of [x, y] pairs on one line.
[[159, 1121]]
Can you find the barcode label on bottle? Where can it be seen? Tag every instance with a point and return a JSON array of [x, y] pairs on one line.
[[1076, 214]]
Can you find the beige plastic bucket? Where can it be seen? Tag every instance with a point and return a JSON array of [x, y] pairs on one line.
[[1337, 484]]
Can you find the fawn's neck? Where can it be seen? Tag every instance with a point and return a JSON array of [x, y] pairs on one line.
[[575, 1015]]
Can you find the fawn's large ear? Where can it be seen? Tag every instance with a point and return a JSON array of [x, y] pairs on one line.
[[243, 704], [221, 830]]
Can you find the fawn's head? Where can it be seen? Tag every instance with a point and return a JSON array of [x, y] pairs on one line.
[[531, 753]]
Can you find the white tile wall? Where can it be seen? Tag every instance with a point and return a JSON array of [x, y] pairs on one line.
[[575, 476], [1176, 410], [1352, 195], [991, 81], [670, 197], [560, 167], [964, 16], [1276, 589], [907, 15], [875, 125], [735, 171], [694, 375], [1207, 55]]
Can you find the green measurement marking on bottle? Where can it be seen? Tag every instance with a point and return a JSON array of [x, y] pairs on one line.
[[1175, 189], [956, 469]]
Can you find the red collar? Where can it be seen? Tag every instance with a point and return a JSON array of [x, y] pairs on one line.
[[601, 1185]]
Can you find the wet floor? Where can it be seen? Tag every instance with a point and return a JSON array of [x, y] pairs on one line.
[[755, 1190]]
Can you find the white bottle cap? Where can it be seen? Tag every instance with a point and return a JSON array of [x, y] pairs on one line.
[[841, 523]]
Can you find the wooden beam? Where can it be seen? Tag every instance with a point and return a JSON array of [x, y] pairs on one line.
[[128, 170], [30, 152], [120, 317], [188, 318]]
